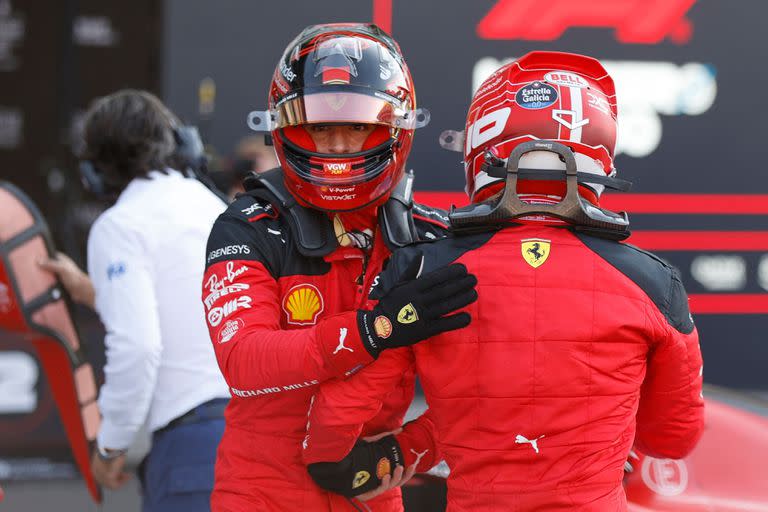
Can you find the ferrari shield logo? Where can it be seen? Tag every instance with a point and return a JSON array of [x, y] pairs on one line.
[[360, 478], [407, 314], [335, 101], [535, 251]]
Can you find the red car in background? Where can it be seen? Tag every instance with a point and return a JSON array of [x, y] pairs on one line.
[[726, 472]]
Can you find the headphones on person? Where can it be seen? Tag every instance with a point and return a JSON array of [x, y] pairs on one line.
[[189, 155]]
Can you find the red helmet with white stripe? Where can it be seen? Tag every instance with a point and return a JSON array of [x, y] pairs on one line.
[[556, 96]]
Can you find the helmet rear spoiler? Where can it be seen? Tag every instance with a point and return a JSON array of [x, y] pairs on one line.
[[581, 64], [35, 306], [572, 208]]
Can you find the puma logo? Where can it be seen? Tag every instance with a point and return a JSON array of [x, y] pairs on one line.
[[419, 455], [342, 337], [521, 439]]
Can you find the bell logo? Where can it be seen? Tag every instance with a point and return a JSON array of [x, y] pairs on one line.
[[566, 79], [633, 20], [303, 304], [337, 167], [535, 251]]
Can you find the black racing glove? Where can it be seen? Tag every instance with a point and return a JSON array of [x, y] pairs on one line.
[[361, 470], [418, 307]]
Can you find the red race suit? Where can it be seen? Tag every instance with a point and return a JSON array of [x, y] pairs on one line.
[[578, 346], [280, 291]]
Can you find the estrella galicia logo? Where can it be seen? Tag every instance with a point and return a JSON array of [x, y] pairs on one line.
[[115, 270], [536, 95]]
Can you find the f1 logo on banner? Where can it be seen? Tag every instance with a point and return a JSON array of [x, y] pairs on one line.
[[635, 21]]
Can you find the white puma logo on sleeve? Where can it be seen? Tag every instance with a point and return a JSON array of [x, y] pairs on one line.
[[342, 337]]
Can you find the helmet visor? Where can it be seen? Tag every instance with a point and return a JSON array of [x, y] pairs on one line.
[[335, 107], [345, 107]]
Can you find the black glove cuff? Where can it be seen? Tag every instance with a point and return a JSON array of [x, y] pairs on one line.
[[377, 460], [361, 470], [365, 324], [392, 450]]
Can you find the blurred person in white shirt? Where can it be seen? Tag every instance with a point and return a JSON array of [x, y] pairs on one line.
[[145, 265]]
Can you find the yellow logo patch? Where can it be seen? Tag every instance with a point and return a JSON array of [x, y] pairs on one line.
[[382, 326], [407, 314], [383, 467], [535, 251], [303, 304], [360, 478]]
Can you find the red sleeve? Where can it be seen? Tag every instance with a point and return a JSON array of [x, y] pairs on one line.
[[242, 309], [418, 441], [670, 418], [341, 407]]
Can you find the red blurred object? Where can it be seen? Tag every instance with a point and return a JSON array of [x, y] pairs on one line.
[[727, 471], [382, 14], [729, 241], [635, 21], [34, 305]]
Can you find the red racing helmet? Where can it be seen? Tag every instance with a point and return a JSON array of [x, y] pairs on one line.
[[561, 97], [346, 73]]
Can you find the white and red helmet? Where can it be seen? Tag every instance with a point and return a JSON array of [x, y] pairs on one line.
[[564, 97], [343, 73]]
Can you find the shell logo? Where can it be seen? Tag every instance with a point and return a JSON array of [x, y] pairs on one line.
[[383, 467], [303, 304], [382, 326]]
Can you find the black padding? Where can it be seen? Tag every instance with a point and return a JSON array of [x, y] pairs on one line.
[[436, 254], [395, 217], [312, 228], [252, 229], [559, 174], [657, 278]]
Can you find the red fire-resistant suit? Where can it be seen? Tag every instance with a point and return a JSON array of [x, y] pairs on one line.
[[282, 321], [578, 347]]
